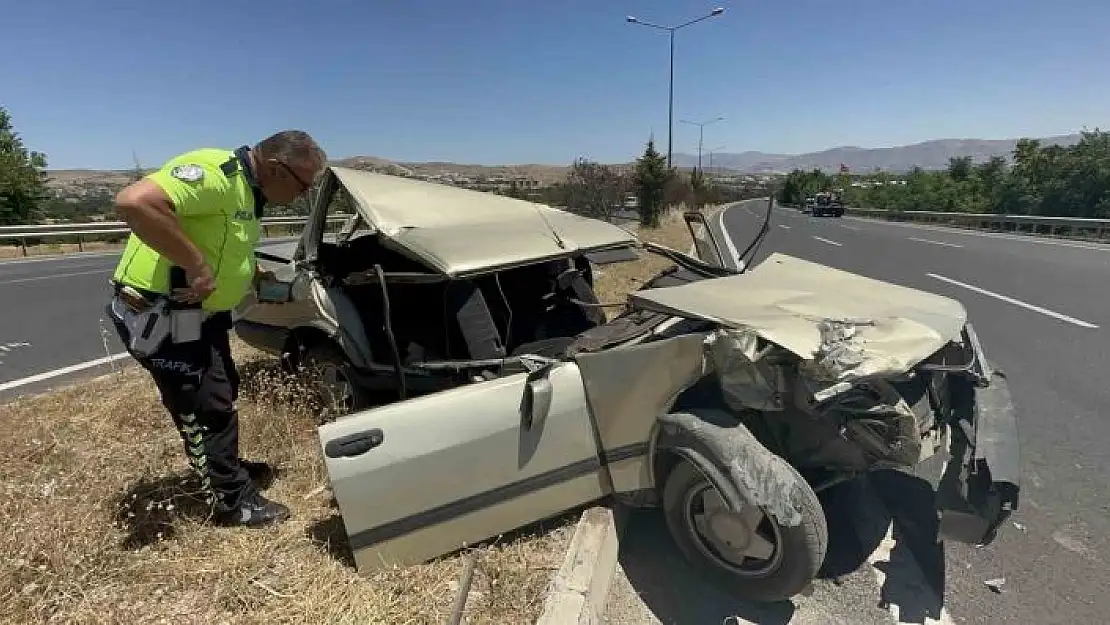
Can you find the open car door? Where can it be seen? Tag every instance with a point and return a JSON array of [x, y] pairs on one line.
[[426, 476]]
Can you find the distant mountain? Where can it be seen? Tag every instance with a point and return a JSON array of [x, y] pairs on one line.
[[927, 155]]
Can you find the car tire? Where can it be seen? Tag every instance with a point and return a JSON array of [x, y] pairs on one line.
[[333, 380], [798, 551]]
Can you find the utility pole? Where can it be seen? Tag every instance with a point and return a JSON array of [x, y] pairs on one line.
[[701, 133], [670, 89]]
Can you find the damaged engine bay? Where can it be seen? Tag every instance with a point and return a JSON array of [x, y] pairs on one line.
[[795, 407]]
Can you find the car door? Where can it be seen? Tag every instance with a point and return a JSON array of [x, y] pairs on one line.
[[426, 476]]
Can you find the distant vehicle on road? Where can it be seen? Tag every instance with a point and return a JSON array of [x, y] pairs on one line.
[[807, 206], [828, 203]]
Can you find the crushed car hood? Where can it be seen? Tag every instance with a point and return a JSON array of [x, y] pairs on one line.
[[849, 325], [461, 231]]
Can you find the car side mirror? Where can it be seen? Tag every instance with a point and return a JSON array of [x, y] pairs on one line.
[[712, 255], [535, 404]]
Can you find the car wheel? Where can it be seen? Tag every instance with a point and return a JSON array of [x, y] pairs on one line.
[[333, 380], [747, 553]]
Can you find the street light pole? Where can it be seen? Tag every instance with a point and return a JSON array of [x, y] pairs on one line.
[[670, 89], [711, 153], [701, 133]]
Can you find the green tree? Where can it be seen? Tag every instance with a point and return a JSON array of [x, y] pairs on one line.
[[592, 188], [959, 168], [650, 181], [22, 176]]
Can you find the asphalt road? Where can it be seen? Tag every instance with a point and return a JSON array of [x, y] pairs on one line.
[[54, 321], [1040, 308]]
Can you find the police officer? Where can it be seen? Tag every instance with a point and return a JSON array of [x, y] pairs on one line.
[[187, 264]]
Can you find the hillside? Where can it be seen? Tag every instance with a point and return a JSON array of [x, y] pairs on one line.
[[930, 155], [927, 155]]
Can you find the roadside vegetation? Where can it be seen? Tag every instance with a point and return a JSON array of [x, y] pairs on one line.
[[1048, 181]]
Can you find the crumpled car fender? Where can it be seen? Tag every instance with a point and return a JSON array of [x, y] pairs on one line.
[[733, 460]]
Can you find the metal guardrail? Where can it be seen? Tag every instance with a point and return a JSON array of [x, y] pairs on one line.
[[1062, 227], [101, 229]]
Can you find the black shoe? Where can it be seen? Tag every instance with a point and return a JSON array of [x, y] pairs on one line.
[[256, 511], [261, 473]]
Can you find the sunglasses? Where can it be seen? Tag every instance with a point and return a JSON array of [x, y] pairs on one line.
[[305, 186]]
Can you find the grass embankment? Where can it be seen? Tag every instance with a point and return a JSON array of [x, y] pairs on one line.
[[104, 523]]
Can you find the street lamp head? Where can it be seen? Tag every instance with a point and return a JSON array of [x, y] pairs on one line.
[[631, 19], [718, 11]]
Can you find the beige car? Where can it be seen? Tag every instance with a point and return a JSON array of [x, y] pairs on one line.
[[724, 397], [423, 282]]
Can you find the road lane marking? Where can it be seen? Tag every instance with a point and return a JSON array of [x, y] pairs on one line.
[[24, 271], [848, 227], [1016, 302], [58, 257], [105, 270], [728, 238], [46, 375], [784, 227], [935, 242], [823, 240]]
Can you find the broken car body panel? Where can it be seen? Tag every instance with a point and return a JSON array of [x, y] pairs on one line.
[[849, 325]]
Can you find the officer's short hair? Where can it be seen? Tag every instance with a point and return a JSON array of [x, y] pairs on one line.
[[292, 146]]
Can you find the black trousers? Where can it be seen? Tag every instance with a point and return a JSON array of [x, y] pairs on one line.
[[199, 384]]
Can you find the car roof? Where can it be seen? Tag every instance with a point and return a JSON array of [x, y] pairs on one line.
[[462, 232]]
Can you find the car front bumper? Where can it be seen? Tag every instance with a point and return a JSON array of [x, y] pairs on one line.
[[981, 483]]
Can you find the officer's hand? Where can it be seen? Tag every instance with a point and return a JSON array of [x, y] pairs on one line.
[[201, 284]]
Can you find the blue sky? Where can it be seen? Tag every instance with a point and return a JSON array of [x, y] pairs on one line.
[[514, 81]]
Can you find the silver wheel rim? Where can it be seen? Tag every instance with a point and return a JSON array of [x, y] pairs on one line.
[[745, 542]]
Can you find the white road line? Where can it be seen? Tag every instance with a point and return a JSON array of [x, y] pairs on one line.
[[6, 386], [58, 257], [848, 227], [827, 241], [1016, 302], [106, 270], [784, 227], [934, 242], [728, 238]]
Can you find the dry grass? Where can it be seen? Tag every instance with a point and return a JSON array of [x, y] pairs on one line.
[[104, 524], [615, 282]]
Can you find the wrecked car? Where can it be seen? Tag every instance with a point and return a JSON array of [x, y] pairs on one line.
[[725, 394], [422, 282]]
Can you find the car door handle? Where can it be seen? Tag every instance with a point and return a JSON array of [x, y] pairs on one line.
[[353, 444]]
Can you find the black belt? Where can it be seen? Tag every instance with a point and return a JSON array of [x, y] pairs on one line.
[[218, 319], [150, 296]]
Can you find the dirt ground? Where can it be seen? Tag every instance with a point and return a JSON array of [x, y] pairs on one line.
[[104, 523]]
